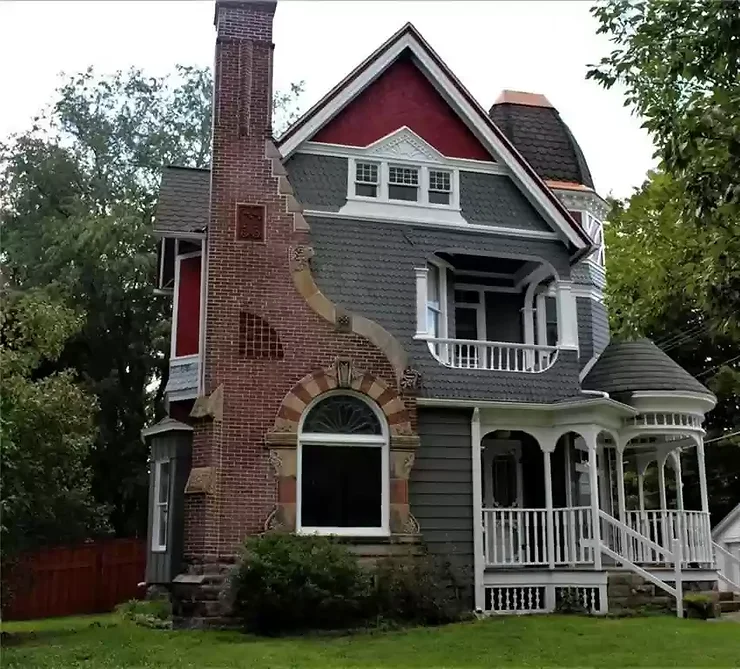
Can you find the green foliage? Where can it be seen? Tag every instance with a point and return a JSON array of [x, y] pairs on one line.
[[78, 197], [680, 65], [287, 583], [46, 429], [418, 589], [153, 613], [569, 602], [701, 605]]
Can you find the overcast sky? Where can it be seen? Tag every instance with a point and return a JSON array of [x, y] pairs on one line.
[[542, 47]]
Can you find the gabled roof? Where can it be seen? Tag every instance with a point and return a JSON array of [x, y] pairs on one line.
[[723, 524], [631, 366], [184, 198], [460, 99], [535, 128]]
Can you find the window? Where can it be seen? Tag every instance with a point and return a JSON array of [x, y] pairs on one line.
[[403, 183], [434, 306], [439, 187], [162, 485], [366, 179], [343, 468], [595, 230]]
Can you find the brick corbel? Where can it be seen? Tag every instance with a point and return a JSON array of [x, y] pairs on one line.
[[209, 406]]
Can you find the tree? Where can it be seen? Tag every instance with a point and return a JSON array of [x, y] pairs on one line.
[[680, 64], [78, 202], [46, 429], [654, 264]]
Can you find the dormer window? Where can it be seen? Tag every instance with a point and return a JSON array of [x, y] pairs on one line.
[[366, 179], [440, 187], [403, 183]]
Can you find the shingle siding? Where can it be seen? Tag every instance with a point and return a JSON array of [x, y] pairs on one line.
[[441, 486], [593, 328], [319, 182], [368, 268]]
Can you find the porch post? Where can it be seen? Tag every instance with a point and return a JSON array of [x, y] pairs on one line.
[[661, 483], [676, 455], [620, 494], [548, 447], [478, 554], [641, 488], [702, 474], [593, 481], [421, 301]]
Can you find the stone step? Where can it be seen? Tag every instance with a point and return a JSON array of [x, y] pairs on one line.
[[728, 596], [729, 606]]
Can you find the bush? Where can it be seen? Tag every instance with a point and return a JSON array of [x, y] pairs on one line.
[[286, 583], [417, 589], [701, 605], [154, 613], [569, 602]]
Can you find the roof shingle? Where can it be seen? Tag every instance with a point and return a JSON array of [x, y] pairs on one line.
[[184, 198]]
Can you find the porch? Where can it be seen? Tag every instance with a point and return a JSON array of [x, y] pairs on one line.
[[550, 495]]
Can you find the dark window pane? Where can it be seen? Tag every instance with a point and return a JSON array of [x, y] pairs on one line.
[[366, 190], [341, 486], [408, 193], [436, 197], [466, 323], [342, 414]]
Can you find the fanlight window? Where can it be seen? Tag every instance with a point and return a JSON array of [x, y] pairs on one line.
[[343, 470]]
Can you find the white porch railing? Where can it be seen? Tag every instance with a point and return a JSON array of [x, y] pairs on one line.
[[573, 531], [692, 528], [493, 356]]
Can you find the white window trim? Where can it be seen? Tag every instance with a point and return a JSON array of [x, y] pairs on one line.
[[381, 441], [157, 505], [176, 299], [442, 267]]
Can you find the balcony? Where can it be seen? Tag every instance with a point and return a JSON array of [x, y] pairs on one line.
[[494, 314], [183, 381], [493, 356]]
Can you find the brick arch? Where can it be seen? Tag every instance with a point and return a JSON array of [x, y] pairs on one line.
[[342, 376]]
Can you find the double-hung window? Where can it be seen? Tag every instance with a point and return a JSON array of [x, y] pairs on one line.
[[440, 186], [366, 179], [162, 486], [403, 183], [434, 305]]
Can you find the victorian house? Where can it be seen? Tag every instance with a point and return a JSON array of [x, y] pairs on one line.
[[388, 325]]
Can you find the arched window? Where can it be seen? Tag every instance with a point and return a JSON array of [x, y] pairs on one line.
[[343, 467]]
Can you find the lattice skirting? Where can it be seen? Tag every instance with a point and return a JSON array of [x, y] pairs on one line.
[[524, 599]]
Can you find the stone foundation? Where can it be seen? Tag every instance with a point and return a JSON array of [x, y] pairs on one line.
[[629, 592]]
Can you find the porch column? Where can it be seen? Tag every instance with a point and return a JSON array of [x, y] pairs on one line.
[[567, 316], [702, 475], [593, 482], [619, 467], [548, 446], [478, 550], [421, 301], [676, 456]]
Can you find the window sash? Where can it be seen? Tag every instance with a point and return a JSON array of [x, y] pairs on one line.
[[363, 169], [162, 490], [437, 179], [399, 175]]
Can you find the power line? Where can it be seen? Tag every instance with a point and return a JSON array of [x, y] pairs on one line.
[[668, 339], [723, 437], [721, 364], [704, 331]]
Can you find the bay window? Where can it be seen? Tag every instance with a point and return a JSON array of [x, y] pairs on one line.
[[343, 466]]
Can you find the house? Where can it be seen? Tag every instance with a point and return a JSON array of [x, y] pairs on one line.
[[388, 325], [726, 535]]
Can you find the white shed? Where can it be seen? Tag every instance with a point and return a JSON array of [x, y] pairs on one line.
[[727, 534]]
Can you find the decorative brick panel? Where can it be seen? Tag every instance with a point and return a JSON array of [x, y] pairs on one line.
[[250, 223], [257, 340]]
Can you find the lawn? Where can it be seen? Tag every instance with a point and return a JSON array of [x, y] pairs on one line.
[[553, 641]]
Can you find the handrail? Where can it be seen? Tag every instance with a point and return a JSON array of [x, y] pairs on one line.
[[484, 342], [634, 534], [725, 553]]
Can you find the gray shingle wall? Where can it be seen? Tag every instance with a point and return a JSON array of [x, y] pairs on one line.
[[593, 328], [184, 199], [490, 199], [441, 486], [319, 182], [368, 268]]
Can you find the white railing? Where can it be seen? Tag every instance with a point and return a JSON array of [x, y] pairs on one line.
[[573, 540], [692, 528], [493, 356], [616, 537], [515, 537], [725, 564]]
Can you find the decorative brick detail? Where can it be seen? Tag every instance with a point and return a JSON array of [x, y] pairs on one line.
[[257, 340], [200, 480], [250, 222]]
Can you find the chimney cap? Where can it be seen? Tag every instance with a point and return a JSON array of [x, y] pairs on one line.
[[522, 98], [255, 5]]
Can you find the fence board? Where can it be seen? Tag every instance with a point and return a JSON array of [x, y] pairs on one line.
[[76, 580]]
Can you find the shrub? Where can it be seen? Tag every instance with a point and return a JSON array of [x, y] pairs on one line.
[[148, 613], [417, 589], [569, 602], [285, 583], [700, 605]]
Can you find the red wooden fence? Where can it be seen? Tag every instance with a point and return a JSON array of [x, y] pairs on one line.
[[91, 578]]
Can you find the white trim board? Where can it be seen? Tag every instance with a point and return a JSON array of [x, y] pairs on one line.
[[452, 90]]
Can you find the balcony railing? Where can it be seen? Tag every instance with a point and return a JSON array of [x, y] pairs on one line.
[[494, 356]]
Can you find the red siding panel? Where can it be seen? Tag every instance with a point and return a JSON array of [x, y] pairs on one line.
[[188, 307], [402, 96]]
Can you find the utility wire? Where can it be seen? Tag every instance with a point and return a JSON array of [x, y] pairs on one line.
[[723, 437], [721, 364]]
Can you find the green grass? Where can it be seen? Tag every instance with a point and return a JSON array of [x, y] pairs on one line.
[[554, 641]]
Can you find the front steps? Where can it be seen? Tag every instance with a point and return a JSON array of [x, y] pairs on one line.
[[729, 602]]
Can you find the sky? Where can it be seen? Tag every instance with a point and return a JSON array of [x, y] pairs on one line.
[[536, 46]]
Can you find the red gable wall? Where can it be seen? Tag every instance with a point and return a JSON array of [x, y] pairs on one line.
[[402, 95], [188, 307]]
